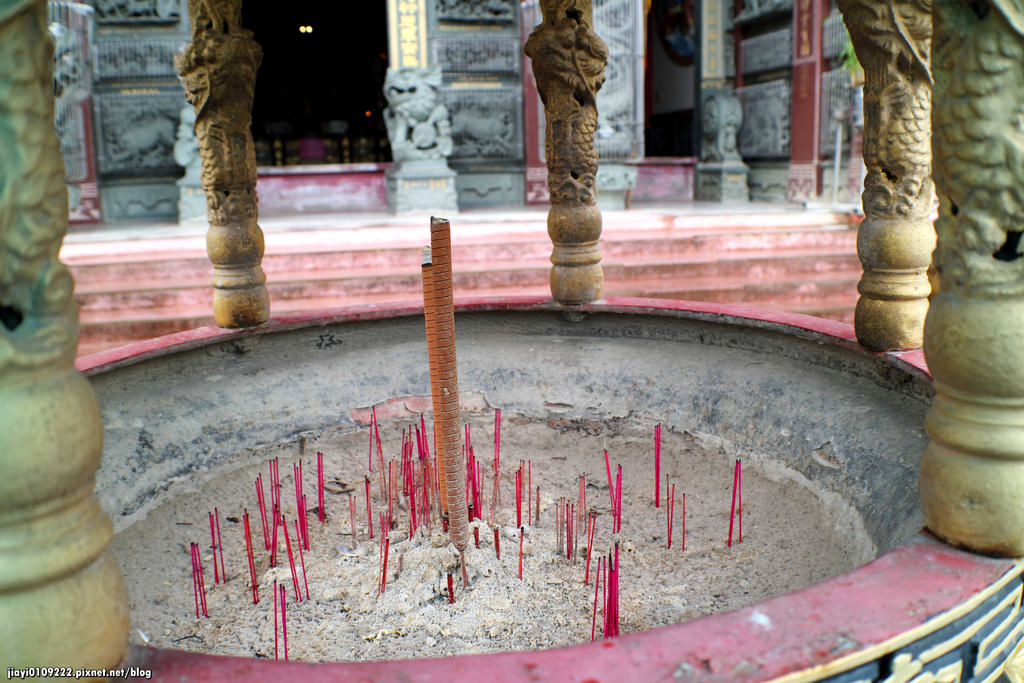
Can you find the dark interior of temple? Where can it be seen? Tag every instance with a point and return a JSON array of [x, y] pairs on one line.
[[319, 89]]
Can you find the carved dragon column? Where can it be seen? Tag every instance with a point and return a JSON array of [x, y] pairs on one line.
[[972, 474], [62, 598], [218, 69], [892, 40], [568, 66]]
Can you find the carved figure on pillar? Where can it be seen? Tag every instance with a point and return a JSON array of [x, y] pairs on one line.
[[972, 472], [892, 41], [721, 118], [721, 173], [218, 69], [568, 66], [62, 598], [418, 125]]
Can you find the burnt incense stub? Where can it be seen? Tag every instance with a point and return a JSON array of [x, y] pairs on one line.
[[218, 69], [568, 65]]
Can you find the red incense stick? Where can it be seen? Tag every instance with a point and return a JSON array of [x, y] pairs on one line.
[[497, 544], [739, 496], [618, 501], [591, 532], [195, 576], [611, 484], [597, 585], [657, 465], [224, 573], [275, 619], [273, 541], [284, 625], [302, 560], [522, 532], [732, 510], [263, 511], [213, 547], [291, 558], [369, 510], [320, 486], [451, 590], [252, 565], [202, 581], [671, 509]]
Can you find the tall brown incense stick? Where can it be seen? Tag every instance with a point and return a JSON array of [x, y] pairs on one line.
[[445, 383]]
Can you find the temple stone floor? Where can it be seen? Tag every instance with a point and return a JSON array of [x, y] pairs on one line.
[[136, 281]]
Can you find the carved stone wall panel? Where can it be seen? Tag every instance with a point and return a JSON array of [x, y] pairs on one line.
[[476, 11], [833, 36], [759, 10], [140, 200], [765, 133], [138, 11], [836, 94], [772, 50], [149, 58], [486, 123], [136, 130], [620, 99], [477, 54]]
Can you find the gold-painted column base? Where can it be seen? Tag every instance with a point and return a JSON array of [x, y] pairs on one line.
[[80, 620], [890, 325], [576, 276], [972, 473], [973, 501]]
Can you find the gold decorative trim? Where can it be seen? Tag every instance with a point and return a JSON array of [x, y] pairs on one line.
[[934, 624]]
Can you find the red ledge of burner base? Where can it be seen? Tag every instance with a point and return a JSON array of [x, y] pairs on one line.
[[851, 619], [840, 334]]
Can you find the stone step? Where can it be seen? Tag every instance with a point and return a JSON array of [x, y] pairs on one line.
[[194, 266], [406, 284], [830, 295]]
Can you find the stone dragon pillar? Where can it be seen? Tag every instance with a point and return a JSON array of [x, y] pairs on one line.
[[972, 474], [218, 69], [892, 40], [568, 66], [62, 598]]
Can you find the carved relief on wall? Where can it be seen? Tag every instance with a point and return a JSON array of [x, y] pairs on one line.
[[137, 11], [619, 117], [477, 54], [150, 58], [137, 132], [766, 113], [490, 11], [485, 123]]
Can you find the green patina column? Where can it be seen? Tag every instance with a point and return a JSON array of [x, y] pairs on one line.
[[892, 40], [218, 69], [62, 598], [568, 66], [972, 473]]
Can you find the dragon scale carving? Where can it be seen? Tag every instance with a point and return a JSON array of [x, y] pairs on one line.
[[892, 40], [568, 65]]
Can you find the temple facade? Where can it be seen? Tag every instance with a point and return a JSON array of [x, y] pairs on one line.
[[127, 146]]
